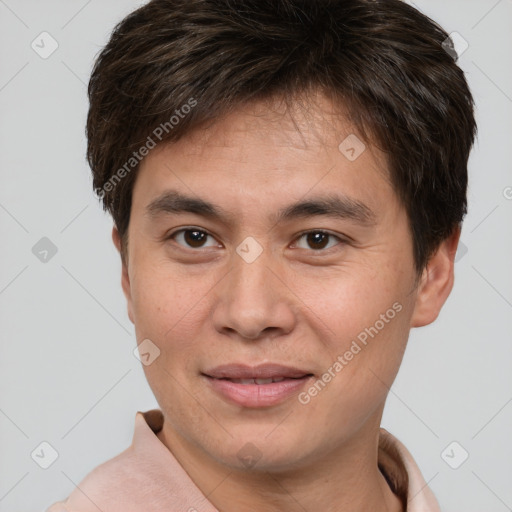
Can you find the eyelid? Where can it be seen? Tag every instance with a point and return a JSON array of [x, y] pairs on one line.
[[319, 230], [342, 239], [172, 234]]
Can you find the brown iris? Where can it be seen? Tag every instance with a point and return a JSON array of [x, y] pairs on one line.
[[194, 238], [317, 240]]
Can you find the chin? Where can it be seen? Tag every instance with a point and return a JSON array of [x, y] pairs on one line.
[[257, 450]]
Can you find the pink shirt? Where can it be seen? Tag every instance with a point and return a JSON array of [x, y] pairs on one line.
[[146, 477]]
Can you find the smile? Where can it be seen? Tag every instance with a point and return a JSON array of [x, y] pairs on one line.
[[262, 385]]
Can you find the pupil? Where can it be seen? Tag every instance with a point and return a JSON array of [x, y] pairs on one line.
[[317, 240], [194, 238]]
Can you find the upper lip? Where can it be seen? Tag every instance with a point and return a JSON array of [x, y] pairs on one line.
[[261, 371]]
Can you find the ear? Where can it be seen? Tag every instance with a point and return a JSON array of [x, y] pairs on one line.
[[436, 282], [125, 278]]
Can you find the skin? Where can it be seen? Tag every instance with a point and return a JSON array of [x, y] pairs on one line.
[[294, 305]]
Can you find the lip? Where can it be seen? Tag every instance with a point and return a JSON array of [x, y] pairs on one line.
[[224, 380], [261, 371]]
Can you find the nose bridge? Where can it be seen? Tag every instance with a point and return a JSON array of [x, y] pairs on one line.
[[250, 279], [253, 300]]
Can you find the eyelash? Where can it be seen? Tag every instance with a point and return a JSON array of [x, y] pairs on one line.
[[299, 236]]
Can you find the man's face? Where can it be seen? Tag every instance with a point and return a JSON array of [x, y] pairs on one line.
[[251, 287]]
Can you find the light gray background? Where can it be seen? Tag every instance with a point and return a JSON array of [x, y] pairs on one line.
[[68, 375]]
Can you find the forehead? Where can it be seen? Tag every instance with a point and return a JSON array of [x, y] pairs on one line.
[[305, 126], [268, 152]]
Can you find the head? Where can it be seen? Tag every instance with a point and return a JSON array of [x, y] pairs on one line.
[[317, 154]]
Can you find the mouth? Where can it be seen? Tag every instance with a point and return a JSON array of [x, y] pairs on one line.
[[240, 371], [260, 381], [256, 386]]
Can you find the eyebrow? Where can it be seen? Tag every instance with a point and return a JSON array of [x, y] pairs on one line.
[[334, 205]]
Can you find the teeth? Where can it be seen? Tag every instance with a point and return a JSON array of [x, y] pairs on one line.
[[244, 381], [263, 381], [258, 381]]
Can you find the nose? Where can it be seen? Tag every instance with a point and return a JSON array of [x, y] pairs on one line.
[[254, 301]]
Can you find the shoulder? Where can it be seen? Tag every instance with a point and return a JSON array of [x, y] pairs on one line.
[[102, 487], [123, 482], [145, 476]]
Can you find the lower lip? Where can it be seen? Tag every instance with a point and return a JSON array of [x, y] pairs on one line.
[[258, 395]]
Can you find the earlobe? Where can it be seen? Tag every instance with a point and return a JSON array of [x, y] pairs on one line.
[[125, 278], [436, 283]]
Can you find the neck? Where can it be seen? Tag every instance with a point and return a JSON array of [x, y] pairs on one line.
[[347, 479]]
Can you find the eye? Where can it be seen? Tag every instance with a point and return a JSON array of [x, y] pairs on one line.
[[193, 238], [196, 238], [318, 239]]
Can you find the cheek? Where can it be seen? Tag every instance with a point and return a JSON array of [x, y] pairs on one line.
[[349, 302], [357, 380], [160, 296], [366, 323], [170, 310]]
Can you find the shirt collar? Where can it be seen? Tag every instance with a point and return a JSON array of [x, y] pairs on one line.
[[395, 462]]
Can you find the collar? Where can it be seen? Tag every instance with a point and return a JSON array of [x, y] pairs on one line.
[[395, 462]]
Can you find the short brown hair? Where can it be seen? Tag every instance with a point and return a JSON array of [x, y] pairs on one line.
[[382, 60]]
